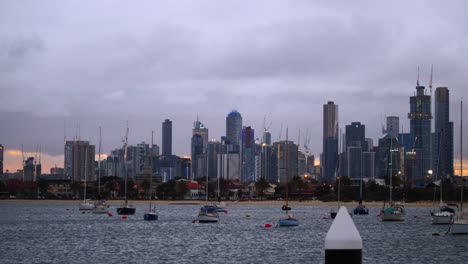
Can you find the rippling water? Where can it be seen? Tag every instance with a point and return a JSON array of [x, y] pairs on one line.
[[49, 233]]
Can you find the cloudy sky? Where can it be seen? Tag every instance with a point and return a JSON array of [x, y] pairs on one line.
[[68, 67]]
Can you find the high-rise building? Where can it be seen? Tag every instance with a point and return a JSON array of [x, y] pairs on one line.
[[1, 159], [393, 126], [287, 160], [198, 149], [356, 135], [248, 155], [234, 128], [198, 158], [330, 141], [79, 160], [31, 170], [267, 137], [212, 151], [420, 127], [443, 143], [167, 138]]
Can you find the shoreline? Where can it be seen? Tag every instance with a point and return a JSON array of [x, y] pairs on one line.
[[228, 203]]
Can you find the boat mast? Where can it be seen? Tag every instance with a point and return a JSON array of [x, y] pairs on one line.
[[461, 157], [85, 172], [99, 164], [391, 168], [125, 163], [287, 167], [151, 170]]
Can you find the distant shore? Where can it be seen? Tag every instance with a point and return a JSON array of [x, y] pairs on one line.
[[228, 203]]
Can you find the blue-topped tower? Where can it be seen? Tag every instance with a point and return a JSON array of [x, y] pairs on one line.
[[234, 128]]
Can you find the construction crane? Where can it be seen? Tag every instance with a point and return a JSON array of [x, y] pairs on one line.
[[307, 141], [280, 131]]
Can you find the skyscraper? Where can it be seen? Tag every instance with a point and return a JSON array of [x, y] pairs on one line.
[[248, 155], [234, 128], [356, 144], [79, 158], [356, 135], [330, 141], [198, 149], [443, 143], [1, 159], [420, 127], [393, 126], [167, 138]]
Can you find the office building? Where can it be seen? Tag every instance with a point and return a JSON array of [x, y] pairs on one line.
[[443, 140], [167, 138], [234, 128], [330, 141], [79, 160]]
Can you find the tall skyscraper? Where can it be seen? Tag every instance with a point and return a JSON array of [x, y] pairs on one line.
[[234, 128], [356, 135], [1, 159], [420, 127], [167, 138], [198, 149], [286, 150], [248, 155], [330, 141], [393, 126], [79, 158], [443, 143]]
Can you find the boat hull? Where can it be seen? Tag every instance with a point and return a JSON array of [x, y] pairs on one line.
[[101, 209], [288, 222], [150, 217], [86, 206], [442, 218], [459, 227], [392, 217], [126, 210], [361, 211], [208, 219]]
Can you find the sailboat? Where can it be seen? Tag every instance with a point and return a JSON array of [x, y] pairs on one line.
[[208, 213], [446, 212], [100, 206], [151, 213], [126, 208], [86, 204], [220, 205], [460, 225], [395, 211], [361, 209], [288, 220]]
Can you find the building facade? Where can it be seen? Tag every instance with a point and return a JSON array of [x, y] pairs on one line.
[[443, 134], [167, 138], [330, 141], [79, 160]]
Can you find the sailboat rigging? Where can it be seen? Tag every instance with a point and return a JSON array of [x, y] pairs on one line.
[[86, 204], [151, 213], [100, 206], [288, 220], [126, 209]]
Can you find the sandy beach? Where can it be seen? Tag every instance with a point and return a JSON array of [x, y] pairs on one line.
[[228, 203]]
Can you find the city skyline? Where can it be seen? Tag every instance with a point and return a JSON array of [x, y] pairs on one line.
[[68, 64]]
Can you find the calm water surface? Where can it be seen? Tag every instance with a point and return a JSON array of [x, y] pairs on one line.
[[49, 233]]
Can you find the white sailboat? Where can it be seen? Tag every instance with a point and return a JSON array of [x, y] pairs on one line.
[[460, 225], [395, 211], [208, 213], [86, 204], [100, 206]]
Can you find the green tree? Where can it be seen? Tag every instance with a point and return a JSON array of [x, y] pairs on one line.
[[145, 185], [181, 189], [43, 186], [261, 186]]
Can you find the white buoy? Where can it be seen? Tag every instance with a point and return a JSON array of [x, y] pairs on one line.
[[343, 243]]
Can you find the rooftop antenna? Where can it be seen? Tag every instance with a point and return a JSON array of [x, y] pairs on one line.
[[430, 80], [417, 81]]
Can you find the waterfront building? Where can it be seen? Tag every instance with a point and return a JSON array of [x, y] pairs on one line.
[[167, 138], [443, 135], [79, 158], [330, 141], [420, 127], [229, 166], [368, 165], [31, 170]]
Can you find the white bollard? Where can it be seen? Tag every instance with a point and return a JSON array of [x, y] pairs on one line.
[[343, 243]]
